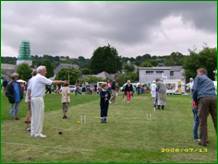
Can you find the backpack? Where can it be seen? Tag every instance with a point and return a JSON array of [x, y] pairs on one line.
[[10, 92]]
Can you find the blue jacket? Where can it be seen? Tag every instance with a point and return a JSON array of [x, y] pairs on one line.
[[10, 92], [203, 87]]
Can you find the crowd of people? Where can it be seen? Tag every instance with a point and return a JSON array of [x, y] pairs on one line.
[[202, 89]]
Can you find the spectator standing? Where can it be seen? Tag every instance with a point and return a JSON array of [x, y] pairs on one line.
[[204, 94], [15, 95]]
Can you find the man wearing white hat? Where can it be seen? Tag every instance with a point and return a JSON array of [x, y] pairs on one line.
[[37, 91]]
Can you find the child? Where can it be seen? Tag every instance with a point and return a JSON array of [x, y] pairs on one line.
[[196, 121], [104, 102], [65, 91]]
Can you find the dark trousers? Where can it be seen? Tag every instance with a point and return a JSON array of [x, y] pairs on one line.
[[207, 105], [104, 110]]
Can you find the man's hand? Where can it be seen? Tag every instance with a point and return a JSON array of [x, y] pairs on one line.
[[194, 104]]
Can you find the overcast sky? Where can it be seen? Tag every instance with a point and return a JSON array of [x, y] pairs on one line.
[[133, 28]]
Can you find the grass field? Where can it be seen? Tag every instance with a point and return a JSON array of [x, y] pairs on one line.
[[134, 133], [53, 102]]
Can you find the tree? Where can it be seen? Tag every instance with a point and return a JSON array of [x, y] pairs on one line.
[[69, 74], [206, 58], [92, 79], [24, 71], [122, 78], [49, 67], [85, 71], [175, 58], [129, 67], [146, 63], [105, 59]]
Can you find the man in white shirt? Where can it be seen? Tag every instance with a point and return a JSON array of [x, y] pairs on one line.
[[37, 92], [154, 94]]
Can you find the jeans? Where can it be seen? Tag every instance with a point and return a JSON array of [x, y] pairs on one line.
[[196, 123], [14, 109]]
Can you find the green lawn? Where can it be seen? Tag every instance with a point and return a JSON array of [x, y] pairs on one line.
[[131, 135], [52, 102]]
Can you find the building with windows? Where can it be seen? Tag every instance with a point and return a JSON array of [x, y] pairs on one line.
[[7, 70], [148, 74]]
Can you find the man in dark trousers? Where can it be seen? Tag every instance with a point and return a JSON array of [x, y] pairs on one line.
[[204, 94], [104, 102]]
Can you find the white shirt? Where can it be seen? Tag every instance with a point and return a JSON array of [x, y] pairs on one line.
[[37, 85], [153, 90], [65, 91]]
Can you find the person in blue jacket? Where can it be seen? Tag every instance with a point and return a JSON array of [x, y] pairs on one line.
[[15, 95]]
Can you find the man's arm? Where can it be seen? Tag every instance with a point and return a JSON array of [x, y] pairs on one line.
[[195, 89], [58, 82], [29, 94]]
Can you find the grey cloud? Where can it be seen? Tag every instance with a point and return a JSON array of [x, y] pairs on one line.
[[54, 27]]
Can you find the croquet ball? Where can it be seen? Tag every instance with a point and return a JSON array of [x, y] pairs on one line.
[[29, 158], [60, 133]]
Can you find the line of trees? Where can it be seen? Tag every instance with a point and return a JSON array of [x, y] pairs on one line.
[[107, 58]]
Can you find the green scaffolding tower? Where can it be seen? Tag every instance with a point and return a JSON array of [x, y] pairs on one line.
[[24, 54]]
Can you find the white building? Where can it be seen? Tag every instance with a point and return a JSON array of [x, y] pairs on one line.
[[148, 74], [7, 70]]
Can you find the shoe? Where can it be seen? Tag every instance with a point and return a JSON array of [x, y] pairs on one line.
[[103, 121], [28, 129], [42, 135], [27, 122], [33, 135], [16, 118], [197, 140], [64, 117], [200, 143]]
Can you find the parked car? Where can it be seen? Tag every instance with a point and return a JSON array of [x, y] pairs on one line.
[[72, 88]]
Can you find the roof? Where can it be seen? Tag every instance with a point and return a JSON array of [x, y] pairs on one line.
[[104, 75], [175, 68], [64, 65], [8, 66]]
